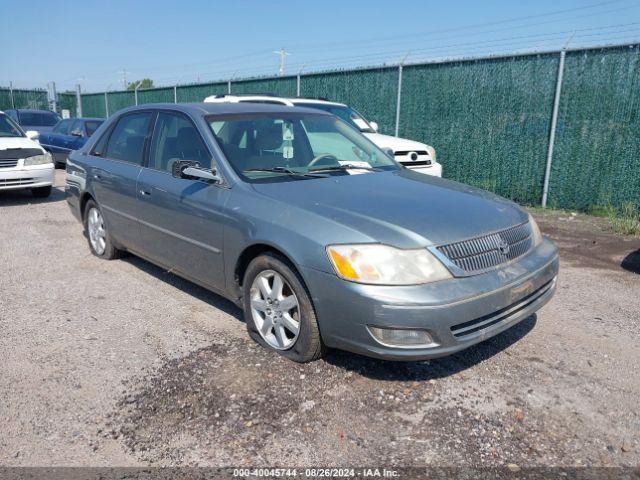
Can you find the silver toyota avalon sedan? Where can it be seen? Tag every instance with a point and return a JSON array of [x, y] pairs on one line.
[[322, 238]]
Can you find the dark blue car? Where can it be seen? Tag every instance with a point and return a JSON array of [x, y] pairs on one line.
[[68, 135], [40, 121]]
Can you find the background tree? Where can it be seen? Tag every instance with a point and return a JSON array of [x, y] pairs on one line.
[[144, 83]]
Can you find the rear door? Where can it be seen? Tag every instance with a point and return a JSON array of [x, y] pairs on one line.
[[181, 221], [118, 163]]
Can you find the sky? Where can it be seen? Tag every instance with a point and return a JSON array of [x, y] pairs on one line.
[[98, 43]]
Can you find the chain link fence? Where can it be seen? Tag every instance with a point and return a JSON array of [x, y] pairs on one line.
[[489, 119]]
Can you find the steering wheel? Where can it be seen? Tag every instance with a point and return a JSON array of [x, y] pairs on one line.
[[320, 157]]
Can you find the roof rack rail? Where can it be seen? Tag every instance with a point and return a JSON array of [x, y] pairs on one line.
[[257, 94], [324, 99]]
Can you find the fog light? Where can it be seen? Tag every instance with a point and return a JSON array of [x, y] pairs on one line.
[[401, 337]]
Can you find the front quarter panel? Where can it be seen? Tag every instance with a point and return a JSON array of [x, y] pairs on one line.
[[301, 235]]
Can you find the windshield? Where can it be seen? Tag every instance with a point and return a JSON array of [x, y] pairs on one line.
[[8, 127], [39, 119], [264, 147], [347, 114]]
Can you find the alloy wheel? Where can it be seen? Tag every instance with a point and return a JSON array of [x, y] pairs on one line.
[[275, 310], [97, 233]]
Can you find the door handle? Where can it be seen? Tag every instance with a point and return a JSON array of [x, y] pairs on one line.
[[97, 176], [144, 192]]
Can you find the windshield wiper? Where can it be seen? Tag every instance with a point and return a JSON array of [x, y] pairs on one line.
[[285, 171], [344, 168]]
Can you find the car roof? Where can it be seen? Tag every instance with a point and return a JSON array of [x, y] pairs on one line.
[[33, 110], [221, 108]]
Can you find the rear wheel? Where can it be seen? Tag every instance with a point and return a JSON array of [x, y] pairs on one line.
[[100, 242], [278, 309], [41, 192]]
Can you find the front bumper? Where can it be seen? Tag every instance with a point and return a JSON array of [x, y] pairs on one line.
[[26, 177], [435, 169], [457, 313]]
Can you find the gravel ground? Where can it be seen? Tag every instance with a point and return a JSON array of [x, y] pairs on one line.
[[120, 363]]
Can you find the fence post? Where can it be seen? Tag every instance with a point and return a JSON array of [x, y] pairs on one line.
[[229, 86], [106, 105], [398, 99], [175, 93], [298, 85], [78, 101], [13, 105], [400, 66], [552, 133]]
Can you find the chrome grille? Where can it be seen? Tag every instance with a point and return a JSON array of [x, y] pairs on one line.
[[8, 162], [489, 251]]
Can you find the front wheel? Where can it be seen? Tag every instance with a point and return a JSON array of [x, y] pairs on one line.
[[100, 242], [278, 309]]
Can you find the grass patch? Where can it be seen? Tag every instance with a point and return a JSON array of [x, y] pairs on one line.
[[626, 221]]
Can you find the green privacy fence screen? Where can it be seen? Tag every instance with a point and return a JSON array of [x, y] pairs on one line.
[[489, 119], [596, 159], [20, 98]]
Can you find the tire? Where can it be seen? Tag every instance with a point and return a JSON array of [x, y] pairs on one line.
[[105, 248], [41, 192], [307, 346]]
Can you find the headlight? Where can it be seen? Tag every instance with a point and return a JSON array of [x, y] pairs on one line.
[[385, 265], [535, 231], [38, 159], [432, 152]]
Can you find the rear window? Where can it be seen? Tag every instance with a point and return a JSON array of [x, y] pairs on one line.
[[92, 126], [39, 119]]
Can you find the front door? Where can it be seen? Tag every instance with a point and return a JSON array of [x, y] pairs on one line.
[[181, 221]]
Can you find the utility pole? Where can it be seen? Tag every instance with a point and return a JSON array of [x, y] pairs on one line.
[[283, 53], [124, 78], [13, 104], [78, 101], [53, 103]]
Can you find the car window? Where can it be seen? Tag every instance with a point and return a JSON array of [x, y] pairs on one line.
[[8, 127], [62, 127], [176, 138], [39, 119], [77, 126], [126, 142], [347, 114], [92, 126]]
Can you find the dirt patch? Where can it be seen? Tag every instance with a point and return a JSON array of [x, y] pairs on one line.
[[588, 242]]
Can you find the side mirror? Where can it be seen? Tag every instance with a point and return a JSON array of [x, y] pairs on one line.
[[76, 133], [189, 169], [32, 134], [374, 125], [389, 152]]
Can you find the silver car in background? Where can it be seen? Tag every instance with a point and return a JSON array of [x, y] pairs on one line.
[[321, 238]]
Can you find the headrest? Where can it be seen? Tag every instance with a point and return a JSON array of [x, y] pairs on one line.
[[269, 137]]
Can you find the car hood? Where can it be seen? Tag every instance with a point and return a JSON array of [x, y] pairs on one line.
[[395, 143], [8, 143], [402, 208]]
